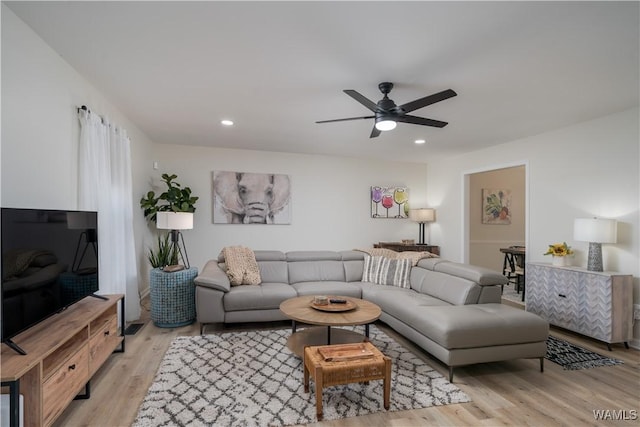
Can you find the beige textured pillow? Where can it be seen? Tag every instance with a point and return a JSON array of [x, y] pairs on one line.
[[415, 256], [388, 253], [242, 268]]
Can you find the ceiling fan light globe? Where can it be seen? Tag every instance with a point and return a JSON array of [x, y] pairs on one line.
[[385, 125]]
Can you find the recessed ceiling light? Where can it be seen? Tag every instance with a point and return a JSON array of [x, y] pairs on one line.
[[227, 122], [420, 141]]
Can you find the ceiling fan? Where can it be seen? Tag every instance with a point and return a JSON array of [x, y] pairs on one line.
[[387, 114]]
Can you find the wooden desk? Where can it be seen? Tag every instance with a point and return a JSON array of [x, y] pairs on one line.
[[401, 247]]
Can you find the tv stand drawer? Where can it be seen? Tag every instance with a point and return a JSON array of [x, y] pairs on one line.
[[103, 343], [64, 384]]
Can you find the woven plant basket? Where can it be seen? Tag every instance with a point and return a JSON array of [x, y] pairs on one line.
[[173, 301]]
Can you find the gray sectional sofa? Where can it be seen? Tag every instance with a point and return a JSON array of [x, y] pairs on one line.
[[451, 310]]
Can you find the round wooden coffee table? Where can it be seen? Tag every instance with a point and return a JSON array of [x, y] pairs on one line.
[[300, 310]]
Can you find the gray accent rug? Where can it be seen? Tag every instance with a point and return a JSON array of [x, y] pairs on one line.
[[252, 379], [572, 357]]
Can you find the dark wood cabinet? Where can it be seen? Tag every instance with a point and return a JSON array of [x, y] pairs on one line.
[[401, 247]]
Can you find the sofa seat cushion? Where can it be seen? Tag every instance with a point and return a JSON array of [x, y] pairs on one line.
[[398, 302], [328, 287], [477, 325], [266, 296]]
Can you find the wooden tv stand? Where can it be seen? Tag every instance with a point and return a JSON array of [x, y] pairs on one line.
[[63, 353]]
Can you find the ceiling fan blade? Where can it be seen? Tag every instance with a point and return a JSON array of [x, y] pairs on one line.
[[362, 100], [374, 132], [344, 120], [427, 100], [420, 121]]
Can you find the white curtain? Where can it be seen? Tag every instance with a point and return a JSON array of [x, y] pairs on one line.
[[104, 185]]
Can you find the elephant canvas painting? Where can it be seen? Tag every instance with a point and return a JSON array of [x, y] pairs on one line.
[[251, 198]]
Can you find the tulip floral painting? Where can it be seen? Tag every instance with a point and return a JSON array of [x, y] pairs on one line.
[[496, 206], [389, 202]]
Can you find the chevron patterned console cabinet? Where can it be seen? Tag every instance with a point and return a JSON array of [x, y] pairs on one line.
[[596, 304]]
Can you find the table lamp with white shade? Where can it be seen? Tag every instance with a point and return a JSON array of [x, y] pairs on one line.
[[595, 231], [422, 216], [176, 221]]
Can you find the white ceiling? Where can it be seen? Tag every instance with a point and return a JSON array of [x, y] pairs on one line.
[[519, 68]]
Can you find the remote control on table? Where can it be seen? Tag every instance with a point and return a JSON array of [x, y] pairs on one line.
[[338, 301]]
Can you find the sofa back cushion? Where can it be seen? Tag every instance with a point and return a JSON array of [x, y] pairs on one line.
[[316, 271], [274, 271], [480, 275], [353, 265], [452, 289], [315, 266], [273, 266], [353, 270], [416, 277]]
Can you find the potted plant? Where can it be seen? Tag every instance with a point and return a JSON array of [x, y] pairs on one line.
[[166, 254], [559, 252], [174, 199]]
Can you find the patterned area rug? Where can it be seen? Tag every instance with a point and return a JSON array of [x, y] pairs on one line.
[[252, 379], [572, 357]]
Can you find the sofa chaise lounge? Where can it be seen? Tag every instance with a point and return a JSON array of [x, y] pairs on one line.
[[451, 310]]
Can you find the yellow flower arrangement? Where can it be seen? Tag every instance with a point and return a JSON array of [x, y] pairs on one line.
[[559, 249]]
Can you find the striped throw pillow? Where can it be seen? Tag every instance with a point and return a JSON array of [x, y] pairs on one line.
[[387, 271]]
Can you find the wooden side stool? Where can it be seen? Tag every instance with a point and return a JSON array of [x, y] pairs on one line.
[[331, 365]]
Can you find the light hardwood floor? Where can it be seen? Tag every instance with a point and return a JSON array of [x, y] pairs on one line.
[[505, 393]]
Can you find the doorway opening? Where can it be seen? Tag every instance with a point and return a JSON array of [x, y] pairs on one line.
[[495, 207]]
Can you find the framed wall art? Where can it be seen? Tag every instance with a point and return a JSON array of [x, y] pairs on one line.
[[389, 202], [496, 206], [251, 198]]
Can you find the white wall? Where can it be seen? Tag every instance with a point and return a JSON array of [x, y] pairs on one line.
[[330, 199], [585, 170], [40, 128]]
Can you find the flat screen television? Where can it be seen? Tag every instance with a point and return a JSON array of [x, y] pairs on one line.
[[49, 262]]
